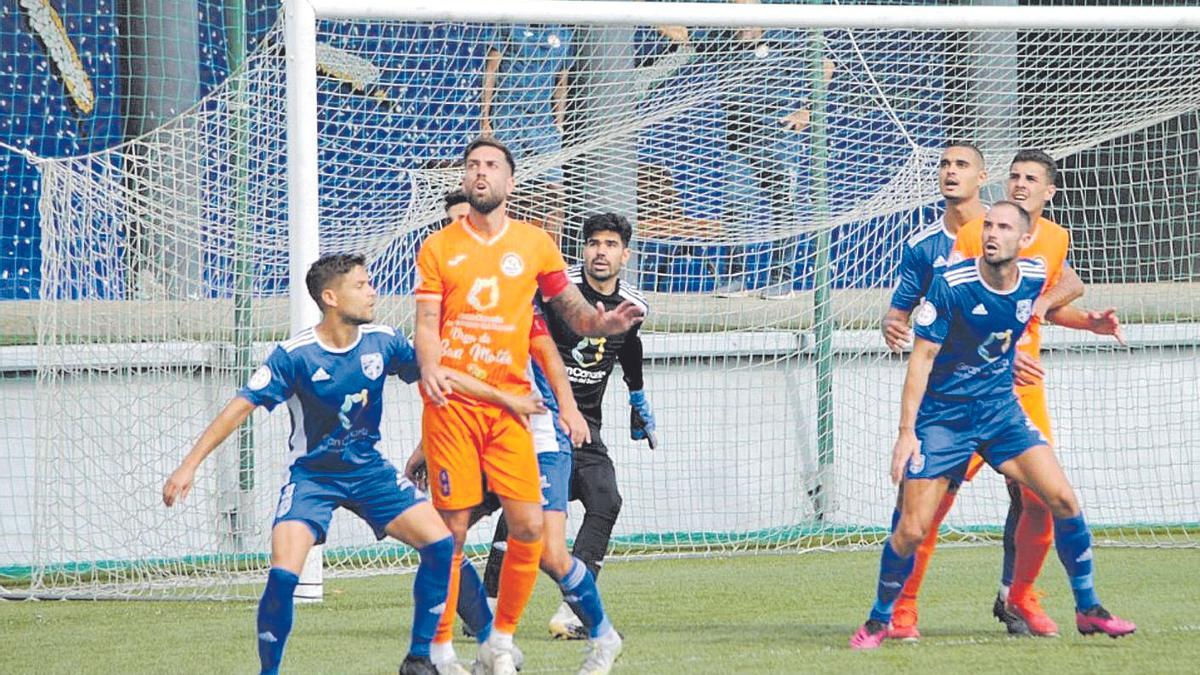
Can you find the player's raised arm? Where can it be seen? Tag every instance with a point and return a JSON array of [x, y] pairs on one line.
[[226, 422], [590, 321], [1105, 322], [1066, 290]]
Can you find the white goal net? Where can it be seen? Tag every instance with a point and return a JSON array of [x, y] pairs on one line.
[[773, 174]]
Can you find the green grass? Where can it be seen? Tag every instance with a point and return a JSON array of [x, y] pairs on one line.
[[766, 614]]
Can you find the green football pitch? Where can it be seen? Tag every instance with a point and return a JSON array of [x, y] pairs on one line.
[[782, 613]]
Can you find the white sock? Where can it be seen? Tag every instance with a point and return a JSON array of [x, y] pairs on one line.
[[442, 652], [501, 640], [1003, 593]]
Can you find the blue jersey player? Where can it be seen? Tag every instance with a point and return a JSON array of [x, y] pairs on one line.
[[332, 378], [958, 399], [961, 173]]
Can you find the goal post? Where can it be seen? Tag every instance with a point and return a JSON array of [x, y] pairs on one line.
[[774, 160]]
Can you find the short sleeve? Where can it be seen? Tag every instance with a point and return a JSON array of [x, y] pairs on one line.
[[908, 289], [552, 271], [272, 383], [403, 363], [429, 283], [931, 321]]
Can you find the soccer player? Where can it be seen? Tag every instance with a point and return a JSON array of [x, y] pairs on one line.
[[590, 362], [1031, 183], [958, 399], [553, 443], [1050, 246], [332, 378], [474, 313]]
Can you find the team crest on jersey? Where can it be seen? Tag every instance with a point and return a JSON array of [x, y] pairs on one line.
[[995, 345], [955, 258], [1024, 310], [511, 264], [372, 365], [260, 378], [926, 314], [593, 345], [484, 294]]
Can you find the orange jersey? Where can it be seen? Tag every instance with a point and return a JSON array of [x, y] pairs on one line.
[[486, 288], [1051, 244]]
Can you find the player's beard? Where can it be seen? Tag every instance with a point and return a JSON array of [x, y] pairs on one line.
[[485, 204], [363, 317]]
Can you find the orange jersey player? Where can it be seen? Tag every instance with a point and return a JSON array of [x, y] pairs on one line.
[[479, 275]]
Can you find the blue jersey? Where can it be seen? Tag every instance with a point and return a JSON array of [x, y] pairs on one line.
[[926, 254], [335, 397], [977, 327]]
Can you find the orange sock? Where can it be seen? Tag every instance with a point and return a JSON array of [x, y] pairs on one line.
[[1035, 534], [908, 594], [445, 627], [518, 574]]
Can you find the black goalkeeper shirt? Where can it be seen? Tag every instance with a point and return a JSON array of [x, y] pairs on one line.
[[590, 361]]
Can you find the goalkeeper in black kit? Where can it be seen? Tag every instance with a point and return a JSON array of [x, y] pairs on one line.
[[589, 363]]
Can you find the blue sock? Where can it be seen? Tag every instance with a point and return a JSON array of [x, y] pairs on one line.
[[580, 592], [430, 588], [1010, 534], [472, 602], [893, 572], [275, 618], [895, 519], [1073, 540]]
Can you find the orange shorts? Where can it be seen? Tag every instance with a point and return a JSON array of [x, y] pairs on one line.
[[1033, 401], [464, 442]]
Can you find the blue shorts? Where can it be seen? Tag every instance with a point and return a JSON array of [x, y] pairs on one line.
[[377, 494], [555, 468], [949, 431]]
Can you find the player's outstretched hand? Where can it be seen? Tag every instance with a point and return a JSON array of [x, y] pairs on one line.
[[416, 470], [896, 333], [907, 449], [641, 420], [1027, 369], [575, 426], [178, 485], [436, 385], [1106, 322], [522, 407], [620, 319]]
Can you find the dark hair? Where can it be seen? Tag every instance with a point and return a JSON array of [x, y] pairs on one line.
[[968, 145], [608, 222], [1042, 158], [1025, 219], [327, 269], [491, 142], [455, 198]]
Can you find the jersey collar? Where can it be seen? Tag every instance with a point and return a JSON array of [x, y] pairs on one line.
[[331, 350], [466, 226], [982, 280]]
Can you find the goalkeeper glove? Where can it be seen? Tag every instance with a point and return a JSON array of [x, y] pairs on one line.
[[641, 420]]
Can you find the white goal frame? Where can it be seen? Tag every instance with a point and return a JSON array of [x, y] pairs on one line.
[[301, 77]]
